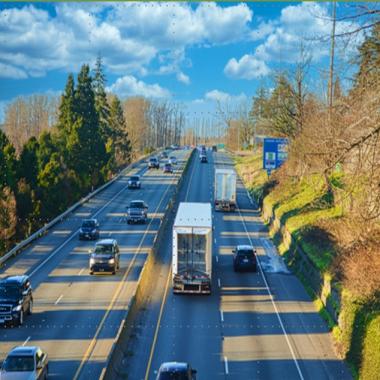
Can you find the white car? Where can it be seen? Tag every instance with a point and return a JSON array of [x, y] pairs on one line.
[[25, 363], [173, 160]]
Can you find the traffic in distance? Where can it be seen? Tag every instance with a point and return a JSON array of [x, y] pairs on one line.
[[193, 238]]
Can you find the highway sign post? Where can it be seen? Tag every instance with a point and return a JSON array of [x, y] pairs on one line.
[[275, 153]]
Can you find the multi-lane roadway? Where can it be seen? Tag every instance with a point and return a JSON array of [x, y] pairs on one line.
[[76, 316], [253, 326]]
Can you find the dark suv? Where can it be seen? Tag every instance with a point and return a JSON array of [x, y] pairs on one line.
[[176, 371], [244, 258], [106, 257], [137, 212], [89, 229], [203, 158], [134, 182], [16, 299], [154, 163]]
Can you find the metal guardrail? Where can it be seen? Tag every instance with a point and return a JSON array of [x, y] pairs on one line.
[[20, 246]]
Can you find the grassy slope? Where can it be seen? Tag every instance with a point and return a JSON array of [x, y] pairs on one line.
[[300, 206]]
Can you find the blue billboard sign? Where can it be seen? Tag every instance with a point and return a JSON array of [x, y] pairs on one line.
[[275, 153]]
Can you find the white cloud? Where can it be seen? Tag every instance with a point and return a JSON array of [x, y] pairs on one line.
[[224, 97], [8, 71], [130, 86], [248, 67], [128, 35], [181, 77]]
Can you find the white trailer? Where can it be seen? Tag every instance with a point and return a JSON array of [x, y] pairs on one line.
[[225, 189], [192, 249]]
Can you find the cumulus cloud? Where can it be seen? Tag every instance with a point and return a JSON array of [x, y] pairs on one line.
[[128, 85], [9, 71], [223, 97], [248, 67], [181, 77], [128, 35]]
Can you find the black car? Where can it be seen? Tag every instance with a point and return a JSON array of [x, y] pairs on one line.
[[244, 258], [154, 163], [164, 154], [203, 158], [25, 362], [214, 148], [89, 230], [168, 168], [176, 371], [16, 299], [137, 212], [134, 182], [106, 257]]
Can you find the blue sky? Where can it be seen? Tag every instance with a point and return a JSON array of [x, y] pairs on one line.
[[192, 53]]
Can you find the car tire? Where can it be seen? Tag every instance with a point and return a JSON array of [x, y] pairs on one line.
[[30, 308], [128, 222], [91, 272]]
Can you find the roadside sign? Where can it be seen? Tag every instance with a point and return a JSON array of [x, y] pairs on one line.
[[220, 146], [275, 153]]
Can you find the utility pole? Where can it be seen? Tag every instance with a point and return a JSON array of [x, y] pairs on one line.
[[332, 52]]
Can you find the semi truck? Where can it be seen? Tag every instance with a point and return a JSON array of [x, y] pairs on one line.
[[192, 249], [225, 189]]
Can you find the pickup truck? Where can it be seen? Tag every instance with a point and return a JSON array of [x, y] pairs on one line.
[[137, 212]]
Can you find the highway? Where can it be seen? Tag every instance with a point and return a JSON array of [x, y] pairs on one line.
[[253, 326], [76, 316]]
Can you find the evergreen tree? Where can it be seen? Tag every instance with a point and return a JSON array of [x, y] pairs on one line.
[[66, 116], [8, 163], [86, 148], [46, 147], [121, 142], [29, 162], [369, 60], [101, 102], [282, 108]]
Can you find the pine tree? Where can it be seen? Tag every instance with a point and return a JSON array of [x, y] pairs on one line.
[[282, 108], [120, 136], [101, 102], [369, 60], [66, 116], [87, 153], [8, 163], [29, 162]]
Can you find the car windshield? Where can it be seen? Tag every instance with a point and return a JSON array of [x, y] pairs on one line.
[[245, 252], [19, 364], [153, 160], [9, 292], [136, 205], [172, 158], [89, 223], [103, 248], [134, 178], [173, 375]]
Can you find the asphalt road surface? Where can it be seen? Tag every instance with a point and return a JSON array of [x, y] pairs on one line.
[[77, 316], [253, 326]]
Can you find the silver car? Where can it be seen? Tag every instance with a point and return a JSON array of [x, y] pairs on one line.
[[25, 363]]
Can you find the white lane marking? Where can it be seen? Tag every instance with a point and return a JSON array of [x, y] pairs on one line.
[[219, 282], [215, 240], [59, 298], [226, 365], [273, 303], [74, 234], [81, 271], [27, 340], [221, 316], [217, 259]]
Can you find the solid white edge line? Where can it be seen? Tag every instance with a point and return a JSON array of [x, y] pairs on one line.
[[219, 282], [59, 298], [27, 340], [221, 316], [274, 304], [226, 365]]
